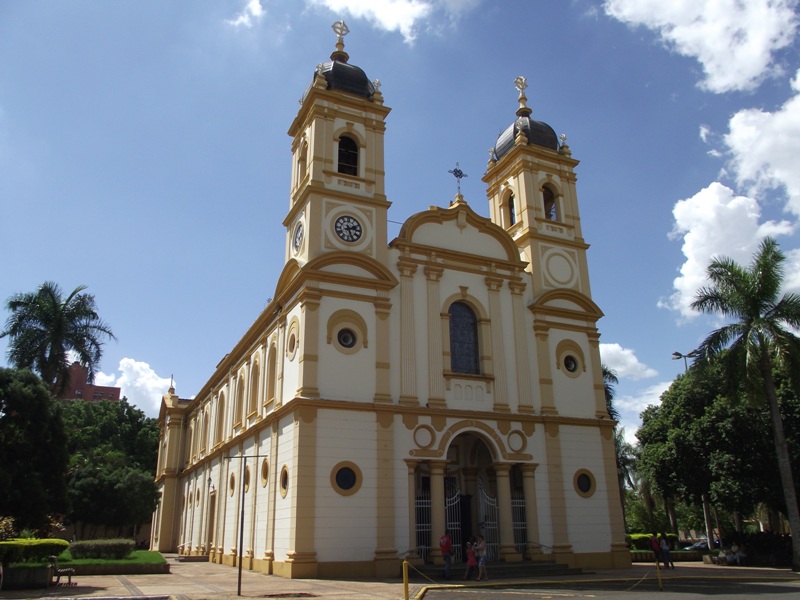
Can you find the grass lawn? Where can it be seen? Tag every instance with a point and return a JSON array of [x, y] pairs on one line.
[[137, 557]]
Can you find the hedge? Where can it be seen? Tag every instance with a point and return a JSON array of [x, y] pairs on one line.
[[641, 541], [30, 550], [106, 549]]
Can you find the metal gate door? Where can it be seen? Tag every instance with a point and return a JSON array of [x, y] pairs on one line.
[[487, 513], [422, 507], [452, 507]]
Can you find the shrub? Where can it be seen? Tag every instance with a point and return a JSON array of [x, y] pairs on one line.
[[6, 528], [107, 549], [30, 550]]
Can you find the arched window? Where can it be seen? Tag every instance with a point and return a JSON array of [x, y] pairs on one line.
[[550, 210], [237, 416], [348, 156], [463, 339], [271, 371], [512, 215], [205, 431], [221, 418], [302, 163], [254, 376]]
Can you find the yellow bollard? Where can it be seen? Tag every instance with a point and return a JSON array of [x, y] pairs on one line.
[[405, 580], [658, 572]]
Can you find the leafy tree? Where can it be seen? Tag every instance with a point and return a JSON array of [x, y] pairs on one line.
[[44, 326], [114, 451], [33, 454], [95, 429], [759, 337]]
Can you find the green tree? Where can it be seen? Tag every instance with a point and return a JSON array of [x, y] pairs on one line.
[[114, 451], [44, 326], [759, 337], [33, 450], [94, 429]]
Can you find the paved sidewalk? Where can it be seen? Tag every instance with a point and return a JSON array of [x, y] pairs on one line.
[[208, 581]]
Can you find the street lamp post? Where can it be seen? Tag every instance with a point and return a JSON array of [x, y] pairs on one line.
[[678, 356], [242, 471]]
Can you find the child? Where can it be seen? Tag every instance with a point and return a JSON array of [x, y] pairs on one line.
[[472, 562]]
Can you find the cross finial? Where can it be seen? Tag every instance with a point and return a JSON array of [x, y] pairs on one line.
[[521, 83], [459, 175], [341, 29]]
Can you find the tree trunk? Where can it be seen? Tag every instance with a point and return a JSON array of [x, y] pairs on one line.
[[784, 465], [707, 518]]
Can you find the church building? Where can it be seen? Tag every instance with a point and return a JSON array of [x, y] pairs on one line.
[[447, 379]]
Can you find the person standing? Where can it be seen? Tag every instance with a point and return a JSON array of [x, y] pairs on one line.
[[480, 554], [446, 546], [472, 562], [666, 557], [655, 546]]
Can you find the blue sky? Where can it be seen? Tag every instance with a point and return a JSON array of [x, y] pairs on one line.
[[143, 152]]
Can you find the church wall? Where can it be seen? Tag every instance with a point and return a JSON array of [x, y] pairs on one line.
[[346, 517], [283, 505], [262, 498], [574, 393], [347, 374], [536, 446], [291, 358], [459, 239], [581, 452]]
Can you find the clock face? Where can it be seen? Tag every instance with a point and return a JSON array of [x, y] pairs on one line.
[[348, 228], [297, 239]]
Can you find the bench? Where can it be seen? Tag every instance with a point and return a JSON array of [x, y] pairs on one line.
[[57, 572]]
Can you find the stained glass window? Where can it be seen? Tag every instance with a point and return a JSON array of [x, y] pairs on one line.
[[463, 339]]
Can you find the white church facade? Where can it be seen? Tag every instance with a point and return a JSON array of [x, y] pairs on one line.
[[448, 379]]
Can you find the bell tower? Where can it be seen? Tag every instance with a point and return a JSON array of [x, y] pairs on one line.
[[338, 200], [531, 188]]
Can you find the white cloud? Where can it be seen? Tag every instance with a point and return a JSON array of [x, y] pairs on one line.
[[624, 363], [715, 222], [389, 15], [139, 383], [630, 407], [734, 40], [765, 147], [251, 14]]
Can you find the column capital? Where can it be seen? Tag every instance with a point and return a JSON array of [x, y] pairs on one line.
[[528, 468], [504, 468]]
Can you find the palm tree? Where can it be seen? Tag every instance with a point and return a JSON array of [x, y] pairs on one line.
[[759, 338], [609, 381], [43, 327]]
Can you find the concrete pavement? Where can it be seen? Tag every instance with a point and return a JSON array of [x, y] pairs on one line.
[[207, 581]]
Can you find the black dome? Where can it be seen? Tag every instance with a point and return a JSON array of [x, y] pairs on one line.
[[348, 78], [538, 134]]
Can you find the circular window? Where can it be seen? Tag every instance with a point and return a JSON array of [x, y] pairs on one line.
[[247, 478], [346, 478], [264, 473], [346, 338], [284, 481], [232, 484], [584, 483], [571, 363]]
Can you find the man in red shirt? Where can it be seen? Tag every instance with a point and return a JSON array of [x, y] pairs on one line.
[[446, 546]]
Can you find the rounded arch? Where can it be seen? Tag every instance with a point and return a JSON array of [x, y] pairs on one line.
[[464, 297], [482, 431], [348, 318], [508, 206], [255, 379], [350, 132]]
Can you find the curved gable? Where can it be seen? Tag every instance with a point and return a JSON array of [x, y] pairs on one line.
[[567, 303], [458, 229]]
